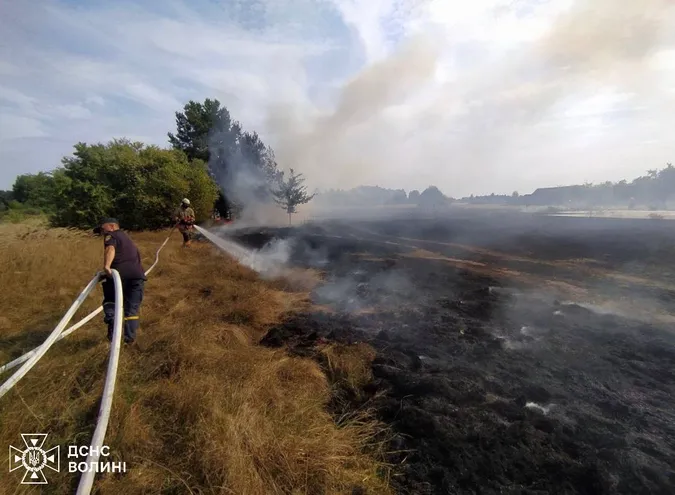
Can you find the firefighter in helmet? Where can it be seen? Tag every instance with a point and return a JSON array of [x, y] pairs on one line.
[[185, 219]]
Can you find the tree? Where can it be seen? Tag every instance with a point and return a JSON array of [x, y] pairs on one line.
[[36, 190], [242, 165], [5, 198], [138, 184], [414, 196], [196, 126], [245, 171], [665, 185], [196, 123], [432, 197], [291, 193], [399, 197]]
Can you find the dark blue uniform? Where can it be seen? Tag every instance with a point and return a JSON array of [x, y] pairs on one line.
[[128, 263]]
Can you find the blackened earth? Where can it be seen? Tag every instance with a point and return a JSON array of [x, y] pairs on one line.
[[493, 383]]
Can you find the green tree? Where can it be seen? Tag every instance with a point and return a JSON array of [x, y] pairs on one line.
[[240, 162], [197, 123], [141, 185], [36, 190], [5, 198], [665, 184], [291, 193]]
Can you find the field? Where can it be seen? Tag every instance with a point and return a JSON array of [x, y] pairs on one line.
[[199, 406], [514, 354], [475, 352]]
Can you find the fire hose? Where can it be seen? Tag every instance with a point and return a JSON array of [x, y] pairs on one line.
[[40, 351], [31, 358], [79, 324], [87, 480]]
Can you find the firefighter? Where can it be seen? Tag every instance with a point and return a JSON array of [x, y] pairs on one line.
[[185, 219], [121, 254]]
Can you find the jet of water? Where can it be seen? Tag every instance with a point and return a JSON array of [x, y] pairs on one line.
[[271, 261]]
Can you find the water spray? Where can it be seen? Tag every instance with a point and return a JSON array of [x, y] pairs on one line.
[[270, 261]]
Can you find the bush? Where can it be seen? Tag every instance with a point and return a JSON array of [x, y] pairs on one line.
[[16, 212], [138, 184], [35, 190], [12, 216]]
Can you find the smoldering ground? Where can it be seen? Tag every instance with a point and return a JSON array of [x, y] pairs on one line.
[[491, 381], [346, 288]]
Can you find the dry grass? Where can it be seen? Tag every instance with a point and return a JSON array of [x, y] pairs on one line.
[[349, 365], [199, 407]]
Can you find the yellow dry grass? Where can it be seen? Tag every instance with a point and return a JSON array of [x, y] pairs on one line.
[[199, 407], [349, 365]]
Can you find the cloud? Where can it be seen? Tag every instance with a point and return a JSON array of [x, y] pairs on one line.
[[94, 100], [15, 127], [475, 97], [94, 72]]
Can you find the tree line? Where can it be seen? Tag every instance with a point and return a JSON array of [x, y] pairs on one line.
[[211, 159], [378, 196], [655, 190]]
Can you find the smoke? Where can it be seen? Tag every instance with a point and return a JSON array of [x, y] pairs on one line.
[[599, 36], [339, 144], [592, 47], [359, 291], [245, 169], [270, 262], [347, 289], [594, 43], [537, 407], [397, 121]]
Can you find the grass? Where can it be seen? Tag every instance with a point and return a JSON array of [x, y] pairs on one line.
[[349, 366], [199, 407]]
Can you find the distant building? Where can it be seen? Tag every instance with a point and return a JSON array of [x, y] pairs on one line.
[[556, 195]]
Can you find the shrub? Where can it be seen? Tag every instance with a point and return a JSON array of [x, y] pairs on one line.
[[138, 184]]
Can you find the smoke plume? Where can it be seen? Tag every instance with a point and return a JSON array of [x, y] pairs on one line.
[[339, 144], [397, 122]]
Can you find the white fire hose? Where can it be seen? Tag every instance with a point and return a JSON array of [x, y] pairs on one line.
[[79, 324], [87, 480], [40, 351], [32, 357]]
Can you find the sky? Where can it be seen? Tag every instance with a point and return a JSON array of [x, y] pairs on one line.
[[473, 97]]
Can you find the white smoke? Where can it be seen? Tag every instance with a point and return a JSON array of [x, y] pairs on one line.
[[270, 262], [420, 113], [537, 407]]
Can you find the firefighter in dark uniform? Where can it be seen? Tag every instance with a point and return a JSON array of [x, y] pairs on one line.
[[121, 254]]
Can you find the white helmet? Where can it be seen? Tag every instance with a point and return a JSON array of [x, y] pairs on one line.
[[186, 201]]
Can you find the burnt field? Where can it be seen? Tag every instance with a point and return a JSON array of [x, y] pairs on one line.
[[516, 355]]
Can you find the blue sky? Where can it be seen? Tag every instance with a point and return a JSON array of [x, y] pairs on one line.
[[475, 97]]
